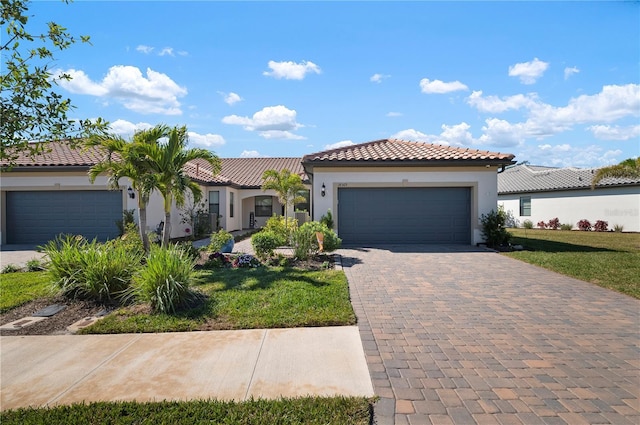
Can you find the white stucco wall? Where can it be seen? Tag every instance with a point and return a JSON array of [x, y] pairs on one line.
[[481, 180], [50, 181], [617, 206]]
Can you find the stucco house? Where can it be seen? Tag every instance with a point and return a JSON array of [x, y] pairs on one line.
[[394, 191], [539, 193], [50, 194], [389, 191]]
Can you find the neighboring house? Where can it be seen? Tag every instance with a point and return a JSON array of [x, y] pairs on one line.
[[542, 193], [51, 194], [393, 191], [386, 191]]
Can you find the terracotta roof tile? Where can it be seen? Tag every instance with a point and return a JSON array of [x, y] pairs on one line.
[[394, 150], [533, 178], [60, 155], [245, 172]]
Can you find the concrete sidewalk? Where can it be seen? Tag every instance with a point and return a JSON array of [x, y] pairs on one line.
[[224, 365]]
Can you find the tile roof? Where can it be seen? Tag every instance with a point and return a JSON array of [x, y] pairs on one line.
[[533, 178], [401, 151], [244, 172], [57, 154]]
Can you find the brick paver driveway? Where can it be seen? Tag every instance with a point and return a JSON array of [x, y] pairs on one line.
[[463, 336]]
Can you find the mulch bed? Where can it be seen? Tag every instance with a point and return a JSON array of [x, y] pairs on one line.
[[55, 325]]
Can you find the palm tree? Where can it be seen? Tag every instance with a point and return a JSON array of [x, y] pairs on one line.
[[125, 160], [629, 168], [286, 184], [167, 162]]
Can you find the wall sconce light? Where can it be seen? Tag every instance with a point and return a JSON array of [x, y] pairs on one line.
[[323, 190], [130, 192]]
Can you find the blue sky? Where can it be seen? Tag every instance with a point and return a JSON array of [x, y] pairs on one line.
[[553, 83]]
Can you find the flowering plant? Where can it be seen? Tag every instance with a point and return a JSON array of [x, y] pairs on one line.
[[245, 261]]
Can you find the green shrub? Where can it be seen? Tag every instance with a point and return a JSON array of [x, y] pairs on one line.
[[280, 227], [11, 268], [265, 242], [130, 240], [35, 265], [305, 242], [218, 240], [91, 270], [618, 227], [527, 224], [566, 226], [128, 219], [327, 219], [164, 280], [493, 228]]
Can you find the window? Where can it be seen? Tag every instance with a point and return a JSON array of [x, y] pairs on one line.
[[214, 202], [264, 206], [231, 204], [302, 206], [525, 206]]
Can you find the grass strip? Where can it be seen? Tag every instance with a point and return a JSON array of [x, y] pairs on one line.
[[306, 410], [607, 259], [21, 287], [256, 298]]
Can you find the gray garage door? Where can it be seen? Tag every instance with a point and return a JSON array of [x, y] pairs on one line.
[[36, 217], [404, 215]]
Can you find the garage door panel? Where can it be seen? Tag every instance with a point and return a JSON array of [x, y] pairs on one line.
[[404, 215], [35, 217]]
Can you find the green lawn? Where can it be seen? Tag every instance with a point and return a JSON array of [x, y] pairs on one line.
[[307, 410], [263, 297], [19, 288], [607, 259]]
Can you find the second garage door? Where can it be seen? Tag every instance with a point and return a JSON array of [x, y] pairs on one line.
[[404, 215], [35, 217]]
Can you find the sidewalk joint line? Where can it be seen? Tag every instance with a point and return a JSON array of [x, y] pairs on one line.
[[255, 365]]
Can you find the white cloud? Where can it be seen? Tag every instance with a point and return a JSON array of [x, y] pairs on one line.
[[611, 104], [80, 83], [251, 154], [126, 129], [440, 87], [413, 135], [502, 133], [144, 49], [528, 72], [494, 104], [154, 94], [377, 78], [607, 132], [565, 155], [394, 114], [337, 145], [291, 70], [271, 122], [207, 140], [569, 71], [451, 135], [167, 51], [231, 98]]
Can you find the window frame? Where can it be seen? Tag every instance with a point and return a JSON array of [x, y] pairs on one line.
[[258, 209], [211, 210], [231, 202], [305, 193], [525, 206]]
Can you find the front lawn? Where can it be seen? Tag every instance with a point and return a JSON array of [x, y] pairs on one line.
[[263, 297], [19, 288], [308, 410], [607, 259]]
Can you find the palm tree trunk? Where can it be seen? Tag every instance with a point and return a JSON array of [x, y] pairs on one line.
[[142, 212], [166, 232]]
